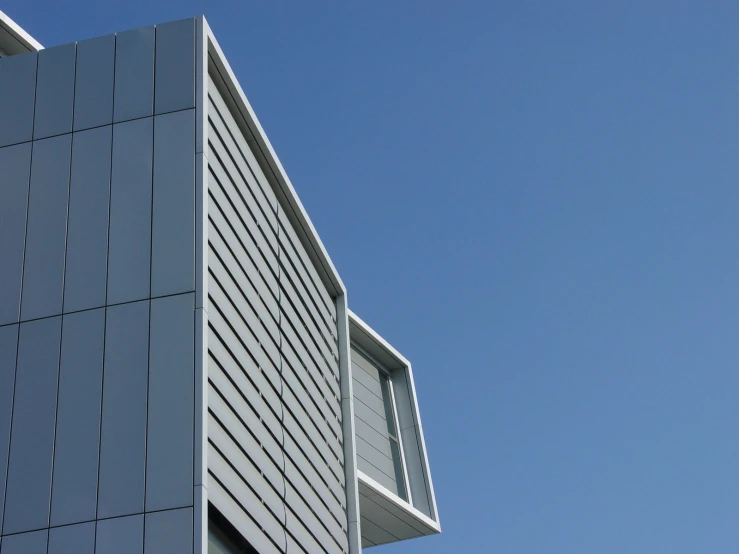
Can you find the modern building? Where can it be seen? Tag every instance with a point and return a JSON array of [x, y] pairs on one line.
[[179, 370]]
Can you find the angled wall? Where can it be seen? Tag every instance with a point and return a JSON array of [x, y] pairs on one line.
[[275, 438], [97, 321]]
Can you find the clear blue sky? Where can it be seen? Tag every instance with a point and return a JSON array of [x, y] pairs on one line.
[[537, 203]]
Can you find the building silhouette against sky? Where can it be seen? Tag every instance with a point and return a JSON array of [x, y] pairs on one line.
[[179, 369]]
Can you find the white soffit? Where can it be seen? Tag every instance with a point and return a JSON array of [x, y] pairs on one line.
[[391, 513]]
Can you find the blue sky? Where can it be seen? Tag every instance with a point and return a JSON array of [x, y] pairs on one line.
[[536, 203]]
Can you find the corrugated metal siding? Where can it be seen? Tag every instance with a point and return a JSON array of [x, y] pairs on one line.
[[275, 459]]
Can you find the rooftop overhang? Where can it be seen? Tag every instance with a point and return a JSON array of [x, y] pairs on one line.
[[385, 517], [14, 40]]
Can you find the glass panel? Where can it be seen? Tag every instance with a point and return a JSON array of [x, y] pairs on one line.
[[388, 402]]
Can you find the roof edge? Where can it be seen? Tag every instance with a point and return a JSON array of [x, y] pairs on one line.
[[14, 39], [304, 227]]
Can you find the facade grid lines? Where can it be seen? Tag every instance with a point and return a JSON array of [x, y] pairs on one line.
[[203, 375]]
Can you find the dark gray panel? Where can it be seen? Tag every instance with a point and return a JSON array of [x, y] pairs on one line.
[[16, 102], [26, 543], [365, 396], [74, 491], [376, 464], [15, 167], [370, 416], [73, 539], [168, 532], [375, 437], [54, 91], [34, 412], [175, 66], [130, 212], [173, 227], [8, 344], [123, 436], [43, 273], [169, 458], [87, 231], [93, 92], [415, 464], [134, 74], [121, 535]]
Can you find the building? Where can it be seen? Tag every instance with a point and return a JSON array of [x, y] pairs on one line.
[[179, 369]]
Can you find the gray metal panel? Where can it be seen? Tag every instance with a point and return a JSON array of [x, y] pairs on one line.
[[415, 466], [15, 167], [123, 436], [376, 465], [175, 66], [121, 535], [34, 413], [245, 338], [255, 206], [225, 503], [307, 542], [296, 319], [87, 230], [376, 534], [315, 519], [367, 397], [370, 416], [8, 346], [242, 489], [76, 450], [246, 457], [134, 74], [240, 256], [93, 89], [224, 417], [319, 500], [169, 439], [16, 102], [370, 369], [168, 532], [73, 539], [267, 430], [130, 212], [230, 133], [389, 522], [173, 227], [43, 273], [316, 296], [54, 91], [375, 437], [26, 543], [238, 283]]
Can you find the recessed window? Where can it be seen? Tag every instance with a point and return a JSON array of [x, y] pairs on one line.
[[379, 442]]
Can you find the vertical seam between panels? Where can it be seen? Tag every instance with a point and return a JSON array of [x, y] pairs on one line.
[[105, 307], [56, 416], [151, 258], [69, 178], [20, 299], [10, 427], [28, 206], [64, 280]]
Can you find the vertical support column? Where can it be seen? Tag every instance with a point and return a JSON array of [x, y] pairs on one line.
[[347, 424]]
